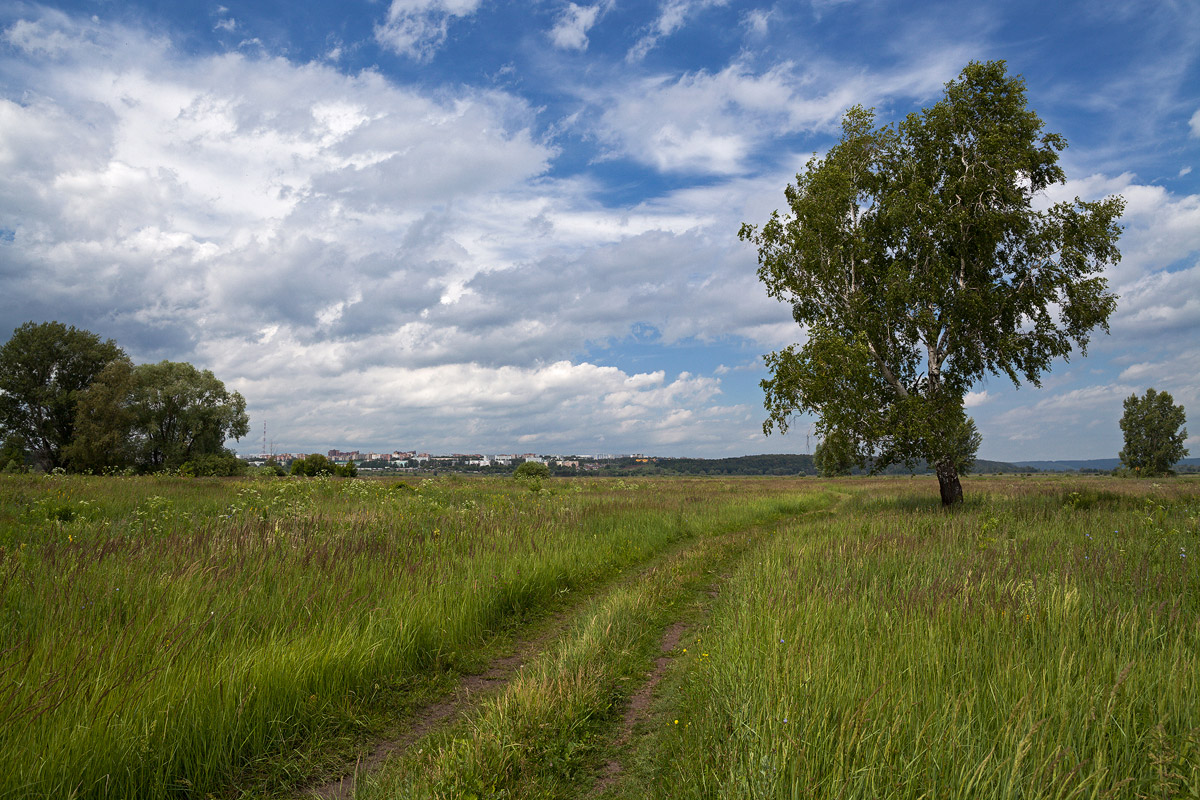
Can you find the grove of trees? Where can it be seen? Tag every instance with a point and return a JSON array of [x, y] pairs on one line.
[[77, 402], [915, 260]]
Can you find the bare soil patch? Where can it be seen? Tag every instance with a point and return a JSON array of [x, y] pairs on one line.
[[639, 704]]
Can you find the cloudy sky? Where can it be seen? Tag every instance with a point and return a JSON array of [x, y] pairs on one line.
[[490, 226]]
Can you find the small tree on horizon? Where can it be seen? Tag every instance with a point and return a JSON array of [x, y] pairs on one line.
[[1154, 434], [531, 469]]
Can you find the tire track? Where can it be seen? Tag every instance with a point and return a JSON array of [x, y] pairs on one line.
[[472, 689]]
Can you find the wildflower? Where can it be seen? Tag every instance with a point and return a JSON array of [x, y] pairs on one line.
[[676, 722]]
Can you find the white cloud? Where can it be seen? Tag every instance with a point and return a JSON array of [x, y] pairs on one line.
[[976, 399], [1059, 413], [417, 28], [672, 15], [559, 405], [571, 29], [757, 21], [303, 231], [714, 121], [1194, 123], [1160, 304]]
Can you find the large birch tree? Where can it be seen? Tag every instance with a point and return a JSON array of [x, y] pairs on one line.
[[917, 261]]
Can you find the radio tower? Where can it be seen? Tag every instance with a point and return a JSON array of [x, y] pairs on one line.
[[264, 444]]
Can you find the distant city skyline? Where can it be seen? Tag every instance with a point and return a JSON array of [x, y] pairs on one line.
[[497, 226]]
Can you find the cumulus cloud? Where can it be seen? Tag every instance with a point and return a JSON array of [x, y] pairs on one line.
[[417, 28], [561, 405], [976, 399], [1194, 123], [304, 231], [714, 122]]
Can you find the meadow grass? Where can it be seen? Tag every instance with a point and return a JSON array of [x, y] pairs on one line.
[[1041, 642], [543, 736], [161, 636]]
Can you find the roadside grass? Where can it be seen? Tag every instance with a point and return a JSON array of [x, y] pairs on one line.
[[163, 637], [1042, 642]]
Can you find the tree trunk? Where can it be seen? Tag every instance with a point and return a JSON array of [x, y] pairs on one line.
[[948, 482]]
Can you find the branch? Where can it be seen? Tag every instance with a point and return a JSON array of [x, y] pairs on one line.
[[888, 375]]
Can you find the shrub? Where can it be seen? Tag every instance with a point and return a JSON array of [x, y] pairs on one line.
[[531, 469], [223, 465]]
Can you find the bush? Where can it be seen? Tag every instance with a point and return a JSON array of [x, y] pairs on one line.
[[312, 466], [531, 469], [224, 465]]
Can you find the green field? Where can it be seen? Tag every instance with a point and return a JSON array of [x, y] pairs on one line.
[[167, 637]]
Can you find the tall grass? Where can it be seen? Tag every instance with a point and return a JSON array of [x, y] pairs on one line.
[[1042, 642], [542, 736], [159, 635]]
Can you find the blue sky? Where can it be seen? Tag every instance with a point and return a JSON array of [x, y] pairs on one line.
[[482, 226]]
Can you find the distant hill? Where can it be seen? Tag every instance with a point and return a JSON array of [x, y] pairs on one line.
[[770, 464], [1091, 463], [802, 464]]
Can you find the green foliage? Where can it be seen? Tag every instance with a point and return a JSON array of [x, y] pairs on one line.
[[315, 465], [155, 417], [44, 368], [531, 469], [915, 258], [834, 455], [219, 465], [1154, 434], [312, 465], [13, 455]]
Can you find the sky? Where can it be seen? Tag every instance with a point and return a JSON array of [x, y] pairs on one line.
[[496, 227]]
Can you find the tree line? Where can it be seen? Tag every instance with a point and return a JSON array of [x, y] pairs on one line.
[[70, 400]]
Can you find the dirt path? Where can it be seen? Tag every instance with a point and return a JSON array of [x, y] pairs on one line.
[[639, 705], [474, 688], [470, 690]]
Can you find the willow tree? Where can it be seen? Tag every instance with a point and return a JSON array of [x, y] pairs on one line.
[[918, 258]]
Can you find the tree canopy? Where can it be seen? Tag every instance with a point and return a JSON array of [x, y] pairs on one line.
[[532, 469], [916, 260], [155, 416], [44, 368], [1154, 434]]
